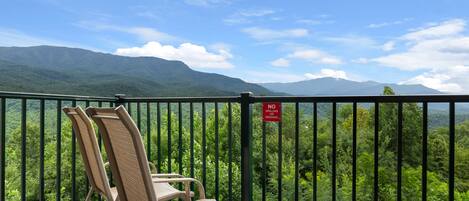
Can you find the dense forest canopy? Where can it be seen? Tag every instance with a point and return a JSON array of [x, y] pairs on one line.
[[438, 151]]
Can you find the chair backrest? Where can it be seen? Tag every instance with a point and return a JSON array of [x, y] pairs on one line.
[[89, 149], [126, 153]]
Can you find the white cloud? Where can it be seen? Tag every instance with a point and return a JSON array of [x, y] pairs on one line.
[[263, 34], [236, 20], [388, 46], [150, 34], [263, 77], [148, 14], [385, 24], [195, 56], [451, 80], [354, 41], [206, 3], [256, 12], [281, 62], [447, 28], [312, 22], [327, 73], [430, 54], [220, 46], [247, 15], [143, 33], [361, 60], [309, 21], [310, 55], [315, 56], [12, 37], [440, 50]]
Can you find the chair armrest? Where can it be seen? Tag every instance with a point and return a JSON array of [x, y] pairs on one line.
[[168, 175], [186, 182]]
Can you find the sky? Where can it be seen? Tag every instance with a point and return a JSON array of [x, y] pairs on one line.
[[400, 41]]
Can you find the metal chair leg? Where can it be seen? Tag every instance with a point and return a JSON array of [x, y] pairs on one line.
[[90, 193], [188, 191]]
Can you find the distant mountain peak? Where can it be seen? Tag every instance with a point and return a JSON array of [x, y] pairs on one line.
[[95, 73], [339, 86]]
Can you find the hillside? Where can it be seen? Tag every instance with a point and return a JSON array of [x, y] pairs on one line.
[[333, 86], [78, 71]]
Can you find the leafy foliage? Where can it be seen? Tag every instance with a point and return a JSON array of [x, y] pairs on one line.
[[387, 177]]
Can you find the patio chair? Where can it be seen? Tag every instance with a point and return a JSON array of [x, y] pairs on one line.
[[92, 160], [128, 160], [91, 154]]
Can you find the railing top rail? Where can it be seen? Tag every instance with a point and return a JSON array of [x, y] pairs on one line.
[[14, 95], [253, 99], [364, 99], [183, 99]]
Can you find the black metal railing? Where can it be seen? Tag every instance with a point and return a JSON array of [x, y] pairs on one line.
[[196, 124]]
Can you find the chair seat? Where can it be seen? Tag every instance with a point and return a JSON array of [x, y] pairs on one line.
[[164, 192]]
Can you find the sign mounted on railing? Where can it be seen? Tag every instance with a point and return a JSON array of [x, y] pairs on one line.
[[271, 112]]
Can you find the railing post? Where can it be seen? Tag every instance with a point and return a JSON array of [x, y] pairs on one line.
[[246, 147], [119, 99]]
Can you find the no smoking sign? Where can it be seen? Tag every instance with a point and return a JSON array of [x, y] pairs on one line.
[[271, 112]]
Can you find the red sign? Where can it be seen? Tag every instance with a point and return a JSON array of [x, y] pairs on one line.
[[271, 112]]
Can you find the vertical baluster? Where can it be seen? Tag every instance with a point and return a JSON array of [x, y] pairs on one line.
[[264, 161], [139, 118], [111, 183], [424, 150], [451, 150], [2, 148], [354, 153], [204, 143], [399, 151], [376, 157], [74, 165], [334, 151], [216, 154], [315, 150], [279, 163], [129, 108], [41, 150], [297, 150], [100, 139], [246, 147], [191, 148], [180, 141], [230, 153], [158, 135], [23, 149], [148, 131], [169, 136], [58, 163], [87, 182]]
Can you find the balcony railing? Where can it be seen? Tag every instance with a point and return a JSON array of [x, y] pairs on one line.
[[223, 142]]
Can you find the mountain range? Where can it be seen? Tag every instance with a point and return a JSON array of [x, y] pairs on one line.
[[71, 70], [337, 86], [63, 70]]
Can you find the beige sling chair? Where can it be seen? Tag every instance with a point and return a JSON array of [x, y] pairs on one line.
[[128, 160], [93, 162], [90, 153]]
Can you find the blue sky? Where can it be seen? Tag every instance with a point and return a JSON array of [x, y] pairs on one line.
[[408, 42]]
